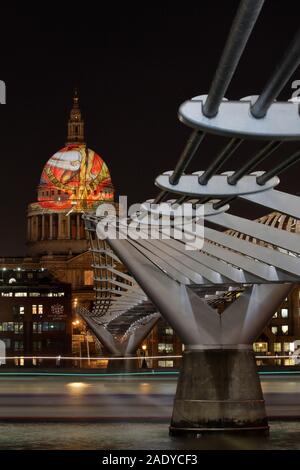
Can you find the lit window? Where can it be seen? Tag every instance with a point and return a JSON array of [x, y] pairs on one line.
[[18, 345], [21, 294], [285, 329], [165, 363], [284, 313], [53, 326], [277, 347], [34, 309], [165, 347], [286, 347], [18, 328], [274, 330], [169, 331], [36, 327], [55, 294], [8, 326], [88, 278], [34, 294], [275, 315], [37, 345], [6, 294], [289, 362], [40, 310], [260, 347]]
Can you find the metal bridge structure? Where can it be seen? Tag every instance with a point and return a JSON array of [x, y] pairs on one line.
[[218, 387], [122, 315]]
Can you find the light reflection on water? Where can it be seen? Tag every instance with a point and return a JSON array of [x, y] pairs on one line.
[[71, 436], [77, 388]]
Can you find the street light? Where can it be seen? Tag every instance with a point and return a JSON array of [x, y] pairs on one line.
[[144, 363], [3, 270]]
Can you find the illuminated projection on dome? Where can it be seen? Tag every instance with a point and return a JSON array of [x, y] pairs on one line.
[[74, 177]]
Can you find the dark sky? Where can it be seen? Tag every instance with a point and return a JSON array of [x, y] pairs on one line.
[[133, 67]]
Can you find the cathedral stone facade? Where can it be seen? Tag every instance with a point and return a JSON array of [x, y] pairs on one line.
[[74, 180]]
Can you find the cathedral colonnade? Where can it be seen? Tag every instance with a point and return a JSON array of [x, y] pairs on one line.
[[55, 226]]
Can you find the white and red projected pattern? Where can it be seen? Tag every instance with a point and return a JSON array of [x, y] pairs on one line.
[[74, 176]]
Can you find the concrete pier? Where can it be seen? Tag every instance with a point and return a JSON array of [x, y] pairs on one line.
[[120, 365], [218, 390]]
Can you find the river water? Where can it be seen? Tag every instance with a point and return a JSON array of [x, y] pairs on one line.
[[111, 436]]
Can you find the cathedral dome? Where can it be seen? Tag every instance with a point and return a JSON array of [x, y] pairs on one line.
[[74, 177], [275, 220], [74, 180]]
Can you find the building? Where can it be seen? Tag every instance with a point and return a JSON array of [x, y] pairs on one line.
[[279, 336], [164, 344], [74, 179], [35, 316]]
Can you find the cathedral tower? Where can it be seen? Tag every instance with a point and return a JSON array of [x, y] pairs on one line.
[[75, 123]]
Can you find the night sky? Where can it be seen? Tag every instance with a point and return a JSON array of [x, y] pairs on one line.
[[133, 68]]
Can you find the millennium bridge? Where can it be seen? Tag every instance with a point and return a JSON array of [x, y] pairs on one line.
[[174, 269]]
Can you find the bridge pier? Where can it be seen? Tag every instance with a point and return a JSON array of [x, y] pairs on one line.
[[218, 390], [122, 365], [122, 349], [218, 387]]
